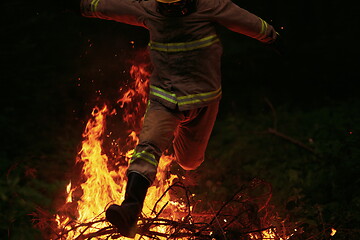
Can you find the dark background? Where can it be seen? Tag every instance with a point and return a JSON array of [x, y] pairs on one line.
[[54, 63]]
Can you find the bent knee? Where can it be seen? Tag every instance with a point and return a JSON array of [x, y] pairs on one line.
[[190, 164]]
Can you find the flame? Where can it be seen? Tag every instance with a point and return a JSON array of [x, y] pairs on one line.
[[268, 234], [69, 192], [102, 183], [333, 232], [102, 186]]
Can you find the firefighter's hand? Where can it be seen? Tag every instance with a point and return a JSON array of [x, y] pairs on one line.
[[278, 45]]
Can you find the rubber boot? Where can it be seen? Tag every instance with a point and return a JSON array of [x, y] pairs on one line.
[[125, 217]]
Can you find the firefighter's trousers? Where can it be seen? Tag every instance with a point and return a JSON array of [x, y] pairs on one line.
[[185, 132]]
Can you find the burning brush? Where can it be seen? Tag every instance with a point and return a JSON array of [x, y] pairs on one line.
[[168, 212], [237, 218]]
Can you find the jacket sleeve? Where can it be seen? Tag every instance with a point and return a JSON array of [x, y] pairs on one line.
[[125, 11], [241, 21]]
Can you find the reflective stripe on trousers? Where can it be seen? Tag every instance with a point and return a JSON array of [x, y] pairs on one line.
[[187, 132], [185, 100]]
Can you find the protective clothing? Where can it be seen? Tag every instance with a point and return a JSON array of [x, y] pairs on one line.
[[185, 84], [185, 51], [176, 8], [185, 133], [125, 217]]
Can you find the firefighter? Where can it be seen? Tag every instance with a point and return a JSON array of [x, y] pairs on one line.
[[185, 85]]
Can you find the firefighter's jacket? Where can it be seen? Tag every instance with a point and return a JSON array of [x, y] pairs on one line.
[[185, 51]]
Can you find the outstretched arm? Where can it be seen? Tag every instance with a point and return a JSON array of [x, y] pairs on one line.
[[125, 11], [240, 20]]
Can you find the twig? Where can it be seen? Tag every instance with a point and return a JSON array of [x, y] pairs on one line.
[[273, 112], [217, 220], [321, 220], [242, 221], [275, 132], [290, 139]]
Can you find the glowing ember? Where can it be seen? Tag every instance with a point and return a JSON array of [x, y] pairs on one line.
[[333, 232], [268, 234]]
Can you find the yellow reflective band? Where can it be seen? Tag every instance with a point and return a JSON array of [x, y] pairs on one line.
[[200, 94], [195, 98], [162, 90], [168, 96], [183, 100], [163, 97], [147, 107], [183, 46], [264, 27], [148, 157], [93, 6]]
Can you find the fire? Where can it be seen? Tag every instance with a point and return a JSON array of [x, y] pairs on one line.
[[69, 192], [99, 188], [103, 182], [333, 232], [103, 186], [268, 234]]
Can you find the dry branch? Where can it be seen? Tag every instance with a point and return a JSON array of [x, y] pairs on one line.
[[290, 139], [238, 218]]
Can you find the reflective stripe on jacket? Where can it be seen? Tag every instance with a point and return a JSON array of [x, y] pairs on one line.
[[185, 51], [185, 46]]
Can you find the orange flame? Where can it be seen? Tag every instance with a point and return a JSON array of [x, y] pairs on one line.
[[333, 232], [101, 186], [268, 234]]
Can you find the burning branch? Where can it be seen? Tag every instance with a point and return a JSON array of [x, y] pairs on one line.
[[247, 215], [241, 217]]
